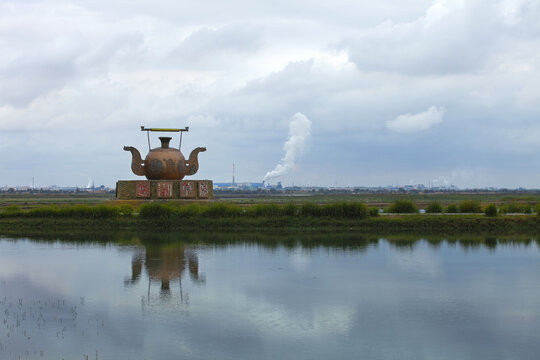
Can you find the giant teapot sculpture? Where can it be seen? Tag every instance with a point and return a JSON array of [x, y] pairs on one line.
[[164, 163]]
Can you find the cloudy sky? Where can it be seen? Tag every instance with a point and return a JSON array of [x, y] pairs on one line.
[[397, 92]]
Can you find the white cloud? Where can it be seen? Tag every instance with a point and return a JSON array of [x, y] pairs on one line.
[[451, 37], [204, 121], [410, 123], [510, 10], [212, 48], [237, 73]]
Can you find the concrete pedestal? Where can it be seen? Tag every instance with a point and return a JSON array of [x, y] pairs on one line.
[[164, 189]]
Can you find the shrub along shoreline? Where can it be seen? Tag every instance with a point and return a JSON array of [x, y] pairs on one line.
[[344, 216]]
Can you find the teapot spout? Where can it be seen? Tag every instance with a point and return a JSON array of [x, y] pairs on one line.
[[137, 163], [192, 164]]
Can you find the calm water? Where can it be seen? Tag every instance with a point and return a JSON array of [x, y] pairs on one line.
[[288, 297]]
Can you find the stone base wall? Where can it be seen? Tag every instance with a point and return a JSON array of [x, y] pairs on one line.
[[164, 189]]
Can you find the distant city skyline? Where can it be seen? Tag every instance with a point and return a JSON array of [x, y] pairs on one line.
[[276, 185], [357, 93]]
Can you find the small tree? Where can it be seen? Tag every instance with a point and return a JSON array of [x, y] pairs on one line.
[[491, 210], [402, 207], [452, 209], [434, 207], [470, 206], [373, 211]]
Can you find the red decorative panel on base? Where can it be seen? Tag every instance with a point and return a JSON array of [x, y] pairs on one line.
[[164, 189], [143, 189], [188, 189], [204, 189]]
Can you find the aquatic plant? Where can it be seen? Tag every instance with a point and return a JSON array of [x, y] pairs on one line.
[[155, 211], [434, 207], [491, 210], [11, 210], [345, 210], [220, 210], [373, 211], [470, 206], [43, 211], [75, 211], [267, 210], [341, 210], [125, 210], [187, 210], [402, 207], [291, 210], [516, 208]]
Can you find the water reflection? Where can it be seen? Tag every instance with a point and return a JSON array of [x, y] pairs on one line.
[[295, 296], [338, 242], [165, 264]]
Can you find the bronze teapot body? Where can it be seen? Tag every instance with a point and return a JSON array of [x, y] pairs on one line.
[[164, 163]]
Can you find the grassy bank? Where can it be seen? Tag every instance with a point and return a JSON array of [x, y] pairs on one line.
[[342, 216], [381, 200], [175, 210], [413, 224]]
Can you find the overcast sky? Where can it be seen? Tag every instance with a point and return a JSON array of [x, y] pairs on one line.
[[397, 92]]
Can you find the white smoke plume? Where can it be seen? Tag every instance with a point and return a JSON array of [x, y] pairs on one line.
[[441, 182], [299, 132]]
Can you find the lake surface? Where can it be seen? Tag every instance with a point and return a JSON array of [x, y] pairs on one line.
[[275, 297]]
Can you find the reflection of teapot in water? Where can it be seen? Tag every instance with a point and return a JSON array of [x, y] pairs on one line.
[[166, 264], [164, 162]]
